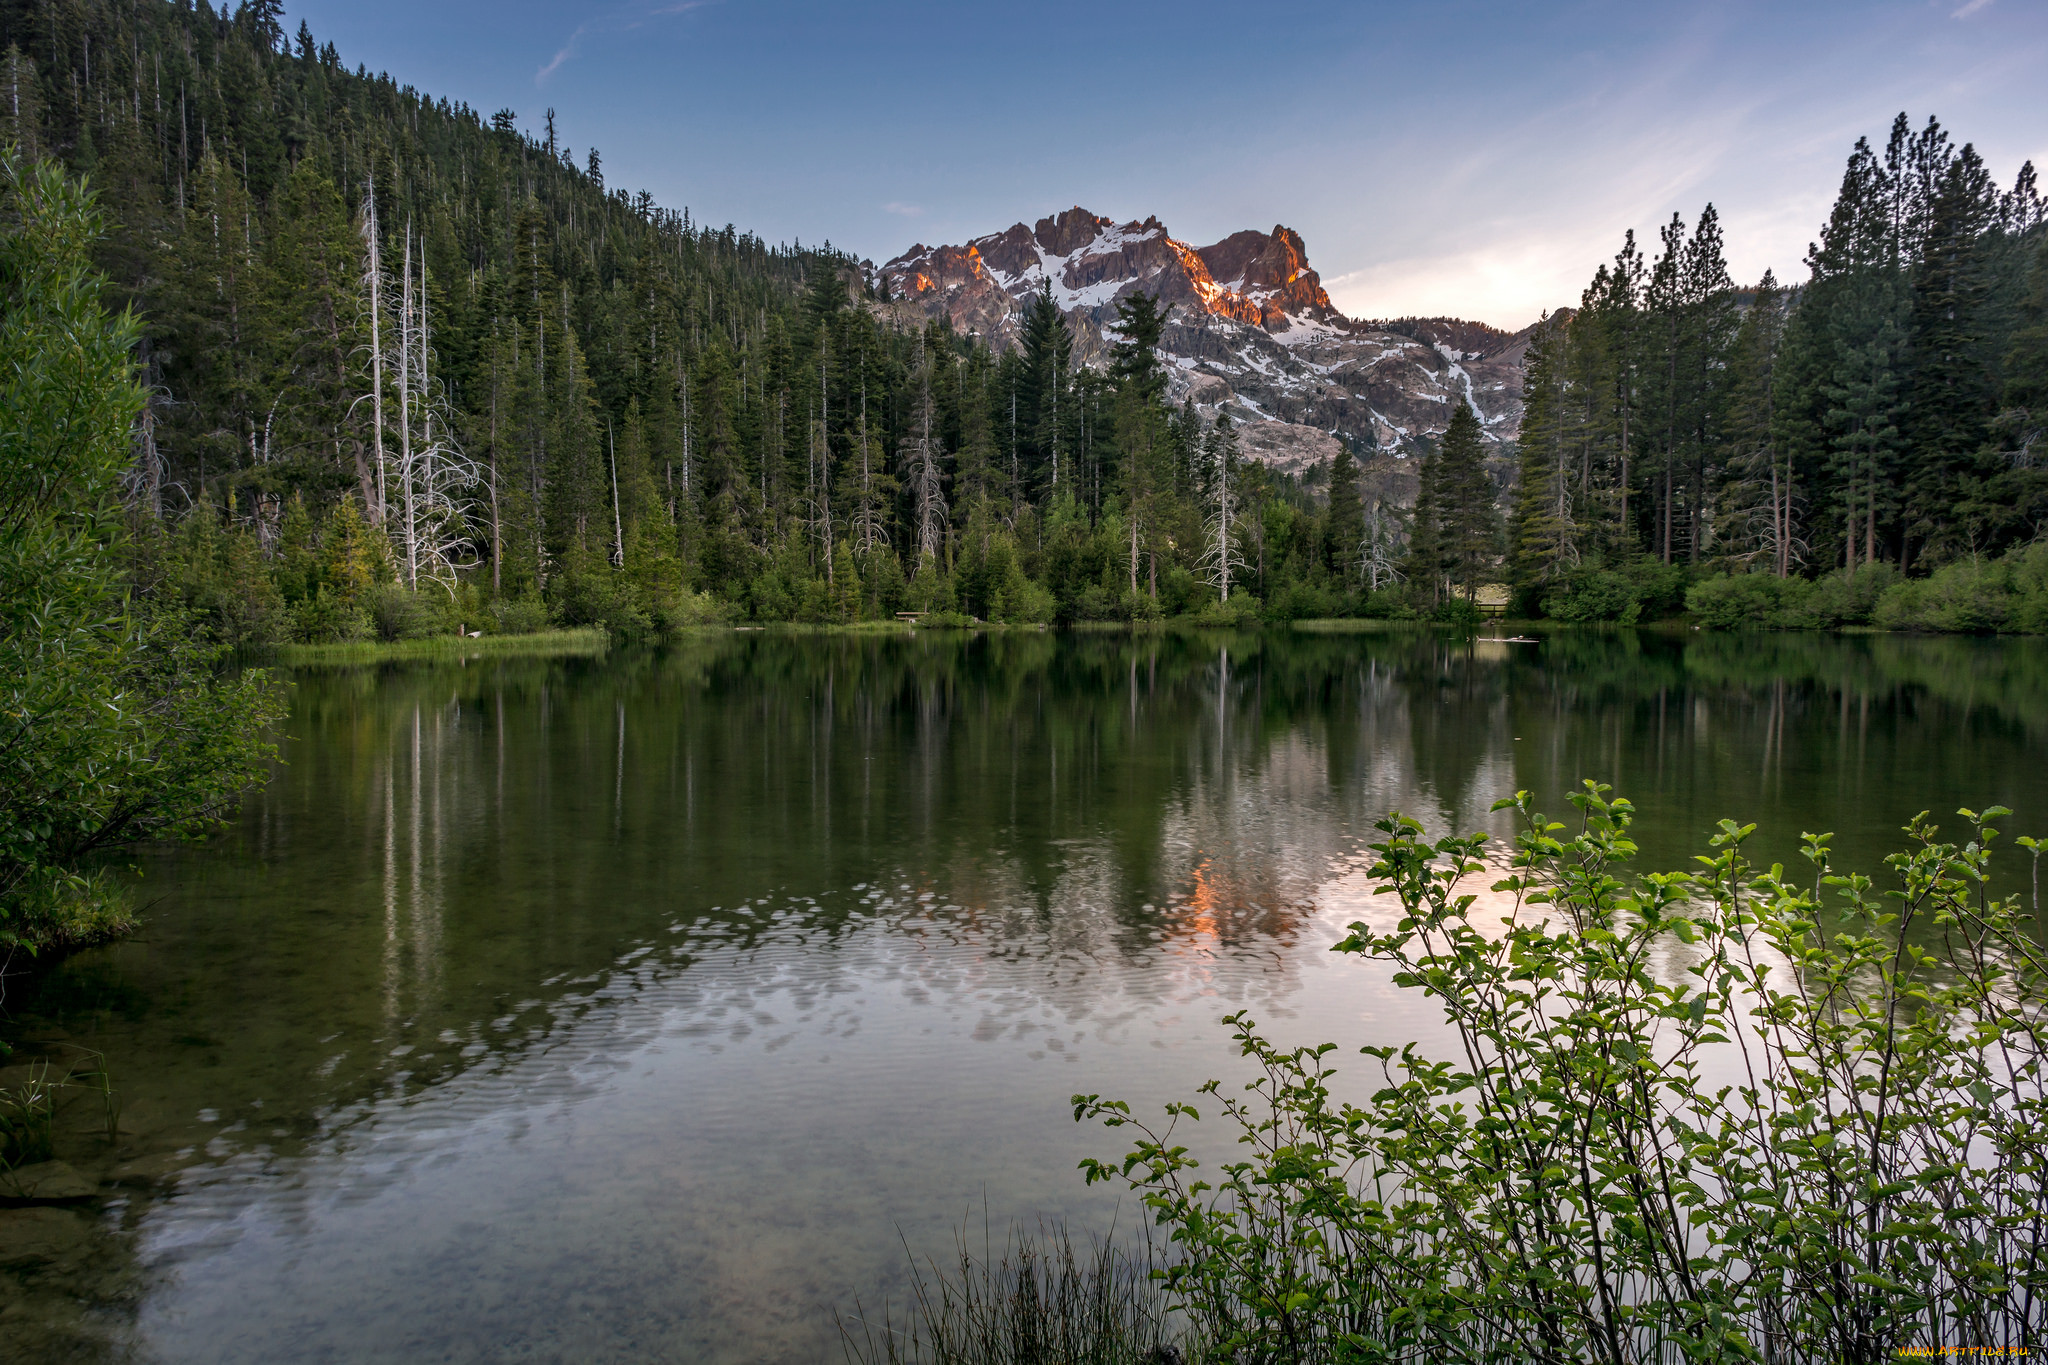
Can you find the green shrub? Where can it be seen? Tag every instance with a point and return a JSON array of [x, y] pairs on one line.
[[1388, 604], [594, 594], [946, 620], [400, 614], [1180, 592], [1750, 601], [1021, 601], [326, 618], [2029, 569], [682, 609], [1593, 595], [219, 574], [1842, 598], [1975, 596], [1704, 1115], [1241, 610], [519, 616], [1305, 601], [116, 721], [1461, 612]]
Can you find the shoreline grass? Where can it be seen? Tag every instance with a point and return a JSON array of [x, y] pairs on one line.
[[1038, 1298], [587, 641], [1352, 625]]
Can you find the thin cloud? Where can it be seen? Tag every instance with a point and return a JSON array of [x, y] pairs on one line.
[[902, 210], [568, 50], [1969, 9], [618, 23], [662, 11]]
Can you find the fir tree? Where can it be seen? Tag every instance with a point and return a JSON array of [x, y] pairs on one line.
[[1466, 517], [1344, 530], [1543, 544]]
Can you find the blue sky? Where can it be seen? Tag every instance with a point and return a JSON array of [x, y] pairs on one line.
[[1463, 158]]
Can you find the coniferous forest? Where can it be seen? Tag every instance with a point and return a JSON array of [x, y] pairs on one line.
[[411, 369]]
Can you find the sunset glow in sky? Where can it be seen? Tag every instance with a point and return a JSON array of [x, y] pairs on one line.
[[1468, 159]]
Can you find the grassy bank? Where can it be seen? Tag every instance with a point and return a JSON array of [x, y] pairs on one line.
[[1361, 625], [587, 640]]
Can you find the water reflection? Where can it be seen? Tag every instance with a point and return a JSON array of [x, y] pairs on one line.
[[633, 1007]]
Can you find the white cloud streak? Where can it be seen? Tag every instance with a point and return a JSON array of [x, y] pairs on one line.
[[568, 50]]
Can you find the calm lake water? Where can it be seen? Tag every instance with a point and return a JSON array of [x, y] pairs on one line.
[[650, 1008]]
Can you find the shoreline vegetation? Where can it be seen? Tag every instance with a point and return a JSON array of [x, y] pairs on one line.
[[118, 724], [1731, 1113], [1950, 603], [583, 642]]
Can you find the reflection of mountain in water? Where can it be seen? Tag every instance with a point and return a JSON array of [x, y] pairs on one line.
[[483, 908]]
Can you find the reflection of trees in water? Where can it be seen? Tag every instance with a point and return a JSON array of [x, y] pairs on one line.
[[463, 872], [1092, 772]]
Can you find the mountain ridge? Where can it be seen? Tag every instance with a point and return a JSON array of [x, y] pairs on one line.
[[1249, 328]]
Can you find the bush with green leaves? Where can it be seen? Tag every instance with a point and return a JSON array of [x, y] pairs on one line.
[[1749, 601], [1640, 589], [1595, 595], [1841, 598], [115, 724], [1719, 1114], [1974, 596]]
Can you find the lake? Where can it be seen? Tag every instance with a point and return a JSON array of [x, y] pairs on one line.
[[660, 1006]]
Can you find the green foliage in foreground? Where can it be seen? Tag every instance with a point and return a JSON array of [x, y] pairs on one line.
[[1708, 1115], [114, 726]]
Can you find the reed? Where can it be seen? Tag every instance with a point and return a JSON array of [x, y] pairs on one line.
[[1040, 1300]]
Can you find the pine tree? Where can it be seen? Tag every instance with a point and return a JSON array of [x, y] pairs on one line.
[[1949, 394], [2021, 428], [1046, 406], [1543, 542], [1710, 323], [1759, 523], [312, 305], [1344, 531], [1425, 564], [1466, 517]]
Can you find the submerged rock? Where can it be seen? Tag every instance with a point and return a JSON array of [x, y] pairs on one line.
[[46, 1182], [31, 1237], [145, 1171]]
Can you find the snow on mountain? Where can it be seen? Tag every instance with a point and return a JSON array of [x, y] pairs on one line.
[[1249, 327]]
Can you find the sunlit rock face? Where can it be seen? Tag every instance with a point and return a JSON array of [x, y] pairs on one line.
[[1249, 328]]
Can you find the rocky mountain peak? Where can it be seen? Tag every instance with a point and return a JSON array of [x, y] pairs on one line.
[[1271, 270], [1249, 328]]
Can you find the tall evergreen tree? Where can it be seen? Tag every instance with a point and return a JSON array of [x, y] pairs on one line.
[[1543, 542], [1467, 517], [1344, 530]]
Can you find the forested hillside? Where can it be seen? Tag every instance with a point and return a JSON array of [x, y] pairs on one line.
[[1886, 414], [412, 368], [396, 345]]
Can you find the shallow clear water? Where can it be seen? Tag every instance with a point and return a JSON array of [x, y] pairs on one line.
[[652, 1008]]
